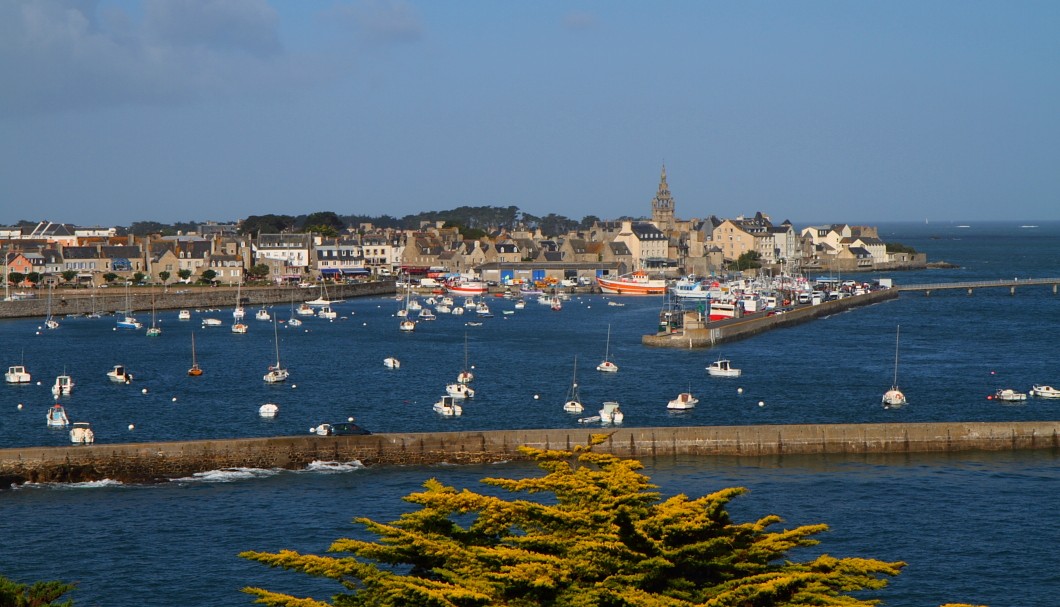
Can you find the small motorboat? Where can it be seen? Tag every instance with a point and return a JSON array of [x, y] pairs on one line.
[[64, 384], [239, 328], [723, 368], [17, 374], [447, 406], [81, 434], [211, 322], [520, 304], [120, 375], [339, 429], [184, 315], [57, 416], [1042, 391], [684, 400], [327, 313], [129, 322], [611, 413], [407, 325], [306, 310], [294, 322], [262, 314], [1009, 395], [268, 410], [460, 391], [391, 363]]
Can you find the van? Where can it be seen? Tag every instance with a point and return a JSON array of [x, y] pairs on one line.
[[429, 283]]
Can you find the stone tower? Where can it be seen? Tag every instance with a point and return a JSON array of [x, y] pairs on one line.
[[662, 206]]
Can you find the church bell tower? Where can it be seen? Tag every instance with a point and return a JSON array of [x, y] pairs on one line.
[[662, 206]]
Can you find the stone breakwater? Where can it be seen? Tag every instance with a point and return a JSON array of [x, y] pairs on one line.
[[715, 333], [104, 301], [159, 462]]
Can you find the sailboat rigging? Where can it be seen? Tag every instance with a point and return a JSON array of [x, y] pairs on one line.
[[50, 322], [608, 366], [573, 404], [894, 397], [195, 370], [155, 330], [465, 376], [276, 372]]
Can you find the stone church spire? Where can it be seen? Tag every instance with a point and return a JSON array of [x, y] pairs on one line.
[[662, 206]]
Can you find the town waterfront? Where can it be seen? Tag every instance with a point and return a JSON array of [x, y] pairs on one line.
[[962, 522]]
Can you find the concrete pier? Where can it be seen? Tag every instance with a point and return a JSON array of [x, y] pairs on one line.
[[715, 333], [159, 462]]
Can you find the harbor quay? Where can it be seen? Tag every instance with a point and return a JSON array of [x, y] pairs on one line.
[[160, 462], [175, 297], [693, 334]]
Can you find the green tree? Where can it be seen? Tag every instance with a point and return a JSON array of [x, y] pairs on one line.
[[184, 274], [68, 275], [259, 271], [266, 224], [897, 247], [164, 276], [324, 230], [110, 277], [34, 278], [587, 222], [208, 275], [600, 536], [15, 278], [322, 219], [39, 594], [748, 260], [138, 277]]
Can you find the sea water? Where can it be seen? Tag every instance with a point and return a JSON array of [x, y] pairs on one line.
[[974, 528]]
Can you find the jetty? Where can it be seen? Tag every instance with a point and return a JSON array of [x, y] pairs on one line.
[[179, 296], [162, 462]]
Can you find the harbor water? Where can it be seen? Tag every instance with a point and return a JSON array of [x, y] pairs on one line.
[[974, 528]]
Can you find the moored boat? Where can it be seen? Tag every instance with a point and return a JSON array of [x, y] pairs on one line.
[[64, 385], [684, 400], [17, 374], [391, 363], [466, 287], [1009, 395], [447, 406], [1043, 391], [611, 413], [634, 283], [57, 416], [119, 374], [82, 434], [723, 368]]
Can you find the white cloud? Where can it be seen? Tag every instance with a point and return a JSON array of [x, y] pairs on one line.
[[60, 55]]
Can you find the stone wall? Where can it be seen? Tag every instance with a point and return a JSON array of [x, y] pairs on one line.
[[731, 330], [82, 301], [157, 462]]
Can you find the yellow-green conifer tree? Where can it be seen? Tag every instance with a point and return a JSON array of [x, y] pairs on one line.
[[601, 536]]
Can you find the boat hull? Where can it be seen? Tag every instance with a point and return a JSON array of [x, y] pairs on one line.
[[632, 284]]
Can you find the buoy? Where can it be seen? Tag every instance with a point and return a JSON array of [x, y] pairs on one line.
[[349, 419], [20, 406], [38, 332], [174, 399], [364, 324], [739, 390], [536, 397], [761, 403], [131, 426], [993, 372], [38, 383], [293, 386], [144, 391]]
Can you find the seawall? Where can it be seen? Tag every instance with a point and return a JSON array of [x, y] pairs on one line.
[[158, 462], [731, 330], [83, 301]]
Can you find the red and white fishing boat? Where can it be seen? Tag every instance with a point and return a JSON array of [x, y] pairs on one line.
[[467, 288], [634, 283]]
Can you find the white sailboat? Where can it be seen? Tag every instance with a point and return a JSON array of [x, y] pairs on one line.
[[608, 366], [465, 376], [407, 324], [50, 322], [155, 330], [238, 326], [573, 404], [128, 321], [277, 373], [894, 397]]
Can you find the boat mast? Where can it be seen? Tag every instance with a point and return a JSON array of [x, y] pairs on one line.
[[896, 333]]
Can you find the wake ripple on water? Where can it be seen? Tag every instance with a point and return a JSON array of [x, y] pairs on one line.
[[334, 467]]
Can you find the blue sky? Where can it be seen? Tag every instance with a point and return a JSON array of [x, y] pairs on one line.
[[177, 110]]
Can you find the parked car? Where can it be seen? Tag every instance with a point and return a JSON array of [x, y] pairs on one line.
[[340, 429]]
